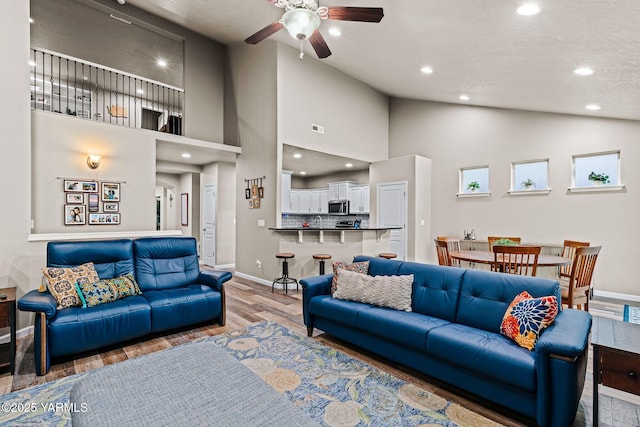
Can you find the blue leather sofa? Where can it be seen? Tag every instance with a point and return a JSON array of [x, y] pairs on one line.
[[175, 293], [452, 334]]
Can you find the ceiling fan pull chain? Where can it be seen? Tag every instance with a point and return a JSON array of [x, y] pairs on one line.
[[301, 52]]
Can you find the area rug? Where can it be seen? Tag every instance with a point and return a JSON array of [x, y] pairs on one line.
[[330, 386], [631, 314]]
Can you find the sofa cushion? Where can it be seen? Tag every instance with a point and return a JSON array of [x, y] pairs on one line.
[[358, 267], [177, 307], [381, 266], [79, 329], [61, 282], [435, 289], [405, 328], [165, 262], [486, 353], [485, 296], [337, 310], [111, 258], [526, 318], [108, 290], [382, 291]]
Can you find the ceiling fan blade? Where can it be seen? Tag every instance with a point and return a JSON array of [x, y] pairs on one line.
[[319, 45], [264, 33], [362, 14]]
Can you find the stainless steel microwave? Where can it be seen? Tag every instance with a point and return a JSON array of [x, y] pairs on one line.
[[339, 207]]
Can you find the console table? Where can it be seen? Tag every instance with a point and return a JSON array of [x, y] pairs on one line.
[[616, 357], [8, 320]]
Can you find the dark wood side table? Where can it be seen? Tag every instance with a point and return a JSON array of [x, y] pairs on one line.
[[616, 357], [8, 320]]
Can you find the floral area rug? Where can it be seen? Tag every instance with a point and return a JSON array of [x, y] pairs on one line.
[[332, 387], [336, 389]]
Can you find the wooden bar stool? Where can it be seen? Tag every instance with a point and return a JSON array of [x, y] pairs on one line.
[[285, 279], [388, 255], [322, 258]]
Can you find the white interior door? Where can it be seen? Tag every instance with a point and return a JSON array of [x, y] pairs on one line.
[[392, 212], [209, 226]]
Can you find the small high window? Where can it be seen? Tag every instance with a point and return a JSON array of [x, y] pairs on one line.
[[596, 170], [474, 180], [530, 175]]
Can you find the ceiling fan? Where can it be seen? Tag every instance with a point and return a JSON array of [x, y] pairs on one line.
[[302, 19]]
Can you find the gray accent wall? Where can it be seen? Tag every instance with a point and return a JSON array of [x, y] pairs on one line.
[[456, 136]]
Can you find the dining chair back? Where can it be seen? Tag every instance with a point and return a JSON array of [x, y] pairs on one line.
[[522, 260], [577, 290], [492, 239], [442, 249], [453, 244], [569, 251]]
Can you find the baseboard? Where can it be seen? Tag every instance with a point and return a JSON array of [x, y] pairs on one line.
[[21, 333], [614, 295], [225, 266], [259, 280]]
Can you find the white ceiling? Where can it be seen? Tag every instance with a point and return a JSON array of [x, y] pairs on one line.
[[477, 47]]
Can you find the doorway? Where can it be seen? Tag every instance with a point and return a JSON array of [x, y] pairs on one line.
[[150, 119], [392, 212], [209, 226]]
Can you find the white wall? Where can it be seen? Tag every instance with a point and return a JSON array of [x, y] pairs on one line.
[[457, 136], [60, 148]]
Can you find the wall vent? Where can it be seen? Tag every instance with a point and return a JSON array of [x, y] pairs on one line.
[[317, 128]]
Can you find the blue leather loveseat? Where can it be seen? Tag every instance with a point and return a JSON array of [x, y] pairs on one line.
[[175, 293], [452, 334]]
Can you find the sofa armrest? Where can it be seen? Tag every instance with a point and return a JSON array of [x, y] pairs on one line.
[[311, 287], [214, 278], [39, 302], [561, 360]]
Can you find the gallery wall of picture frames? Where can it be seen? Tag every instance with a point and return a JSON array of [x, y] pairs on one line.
[[254, 192], [89, 202]]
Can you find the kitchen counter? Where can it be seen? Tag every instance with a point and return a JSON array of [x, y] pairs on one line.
[[321, 230]]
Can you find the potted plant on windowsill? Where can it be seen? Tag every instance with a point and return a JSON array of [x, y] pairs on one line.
[[473, 186], [599, 178], [528, 184]]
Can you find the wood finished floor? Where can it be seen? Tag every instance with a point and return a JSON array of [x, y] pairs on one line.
[[248, 303]]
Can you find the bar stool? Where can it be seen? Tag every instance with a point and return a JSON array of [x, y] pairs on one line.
[[285, 279], [322, 258], [387, 255]]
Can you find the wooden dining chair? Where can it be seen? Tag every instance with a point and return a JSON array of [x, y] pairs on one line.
[[576, 291], [453, 244], [521, 260], [442, 249], [569, 251], [492, 239]]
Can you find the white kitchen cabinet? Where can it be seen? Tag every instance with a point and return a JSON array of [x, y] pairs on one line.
[[324, 201], [339, 190], [294, 201], [319, 201], [304, 201], [359, 197], [285, 189]]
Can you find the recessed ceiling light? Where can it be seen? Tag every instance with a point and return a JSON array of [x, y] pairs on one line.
[[335, 31], [140, 91], [583, 71], [32, 63], [297, 155], [349, 165], [426, 70], [303, 173], [186, 155], [592, 107], [528, 9], [162, 63], [464, 97]]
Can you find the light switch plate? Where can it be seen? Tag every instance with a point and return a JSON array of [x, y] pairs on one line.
[[261, 223]]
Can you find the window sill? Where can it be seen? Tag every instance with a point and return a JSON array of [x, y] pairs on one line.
[[529, 192], [597, 189], [477, 194]]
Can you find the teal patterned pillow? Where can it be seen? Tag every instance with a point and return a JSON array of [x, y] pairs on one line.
[[109, 290]]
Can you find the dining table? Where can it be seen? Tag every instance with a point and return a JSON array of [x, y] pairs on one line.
[[487, 257]]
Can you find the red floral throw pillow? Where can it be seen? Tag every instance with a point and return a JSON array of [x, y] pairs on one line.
[[527, 317], [358, 267]]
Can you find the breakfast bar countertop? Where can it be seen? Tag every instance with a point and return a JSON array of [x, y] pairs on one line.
[[333, 228]]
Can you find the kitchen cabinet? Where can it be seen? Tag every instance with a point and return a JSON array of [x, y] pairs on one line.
[[304, 201], [285, 190], [359, 199], [294, 201], [339, 190], [319, 201]]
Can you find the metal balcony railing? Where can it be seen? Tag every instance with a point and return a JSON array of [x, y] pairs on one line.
[[65, 85]]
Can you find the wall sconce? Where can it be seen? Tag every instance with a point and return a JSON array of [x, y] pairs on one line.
[[93, 161]]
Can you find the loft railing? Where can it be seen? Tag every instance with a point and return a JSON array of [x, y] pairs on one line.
[[70, 86]]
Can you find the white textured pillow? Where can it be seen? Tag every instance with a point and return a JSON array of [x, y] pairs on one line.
[[384, 291]]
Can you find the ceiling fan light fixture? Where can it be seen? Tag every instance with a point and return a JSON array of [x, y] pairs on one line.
[[300, 23]]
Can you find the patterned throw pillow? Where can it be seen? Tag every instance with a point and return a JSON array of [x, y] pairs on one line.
[[358, 267], [383, 291], [61, 282], [526, 318], [108, 290]]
